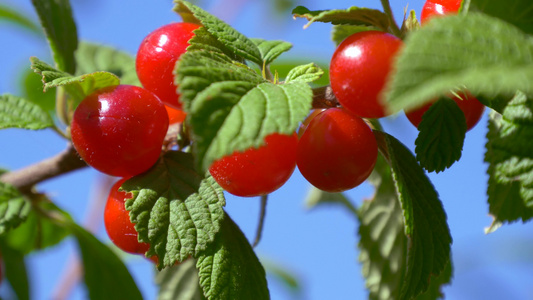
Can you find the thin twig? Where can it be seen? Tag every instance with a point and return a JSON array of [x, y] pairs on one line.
[[262, 214], [323, 97], [64, 162]]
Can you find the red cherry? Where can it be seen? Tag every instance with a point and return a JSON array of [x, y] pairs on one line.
[[337, 151], [359, 69], [471, 107], [257, 171], [117, 222], [119, 130], [157, 56], [434, 8], [175, 115], [305, 123]]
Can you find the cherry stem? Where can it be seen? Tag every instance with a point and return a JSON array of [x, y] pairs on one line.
[[393, 26], [323, 97], [262, 214]]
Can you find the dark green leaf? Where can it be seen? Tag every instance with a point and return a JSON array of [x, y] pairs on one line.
[[516, 12], [350, 16], [305, 73], [14, 207], [179, 282], [15, 17], [477, 52], [270, 50], [426, 228], [510, 157], [435, 287], [442, 132], [77, 86], [15, 271], [176, 210], [16, 112], [229, 37], [38, 232], [58, 23], [92, 58], [382, 241], [105, 275], [229, 269]]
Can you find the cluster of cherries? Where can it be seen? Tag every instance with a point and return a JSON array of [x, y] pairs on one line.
[[120, 130]]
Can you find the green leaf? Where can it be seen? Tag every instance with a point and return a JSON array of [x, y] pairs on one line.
[[224, 33], [317, 197], [15, 271], [305, 73], [15, 17], [270, 50], [435, 287], [176, 210], [32, 90], [230, 116], [283, 275], [283, 67], [350, 16], [442, 132], [340, 32], [39, 232], [229, 268], [426, 228], [77, 86], [179, 282], [382, 241], [16, 112], [14, 207], [58, 23], [477, 52], [105, 275], [516, 12], [509, 154], [93, 58]]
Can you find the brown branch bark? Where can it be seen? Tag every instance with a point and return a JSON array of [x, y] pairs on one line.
[[323, 97], [64, 162]]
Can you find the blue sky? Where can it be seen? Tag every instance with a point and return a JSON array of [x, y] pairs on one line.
[[319, 246]]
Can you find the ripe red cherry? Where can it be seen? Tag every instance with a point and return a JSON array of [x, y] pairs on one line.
[[175, 115], [337, 151], [359, 69], [119, 130], [117, 222], [157, 56], [433, 8], [305, 123], [257, 171], [471, 107]]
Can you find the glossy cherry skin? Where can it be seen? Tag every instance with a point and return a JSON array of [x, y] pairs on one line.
[[337, 151], [257, 171], [117, 222], [471, 107], [119, 130], [305, 123], [359, 69], [157, 56], [434, 8]]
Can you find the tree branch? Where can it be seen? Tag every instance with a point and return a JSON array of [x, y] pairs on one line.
[[323, 97], [64, 162]]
